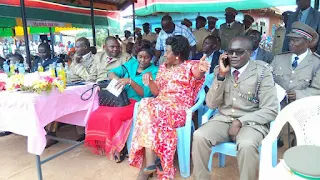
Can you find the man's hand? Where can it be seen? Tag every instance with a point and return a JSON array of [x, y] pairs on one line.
[[222, 69], [234, 129], [204, 66], [122, 82], [291, 95]]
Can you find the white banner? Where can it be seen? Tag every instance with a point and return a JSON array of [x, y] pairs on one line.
[[45, 23]]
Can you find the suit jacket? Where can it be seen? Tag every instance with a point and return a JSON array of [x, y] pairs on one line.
[[200, 35], [313, 20], [233, 98], [45, 64], [102, 67], [304, 80], [214, 62], [83, 71], [227, 34], [215, 32], [264, 55], [278, 40]]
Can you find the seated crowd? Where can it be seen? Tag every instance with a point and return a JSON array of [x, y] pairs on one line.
[[243, 90]]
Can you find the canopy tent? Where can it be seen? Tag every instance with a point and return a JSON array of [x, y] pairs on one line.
[[55, 13], [147, 7]]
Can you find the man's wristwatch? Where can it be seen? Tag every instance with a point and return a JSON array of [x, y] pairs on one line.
[[220, 78]]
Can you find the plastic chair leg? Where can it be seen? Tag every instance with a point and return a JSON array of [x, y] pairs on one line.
[[183, 148], [274, 153], [222, 160]]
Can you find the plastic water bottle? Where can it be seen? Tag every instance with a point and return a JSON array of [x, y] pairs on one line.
[[12, 67], [21, 69], [40, 67], [52, 70], [6, 67], [62, 74]]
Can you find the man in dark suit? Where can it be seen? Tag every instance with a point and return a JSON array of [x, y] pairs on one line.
[[307, 15], [211, 50], [44, 58], [259, 53]]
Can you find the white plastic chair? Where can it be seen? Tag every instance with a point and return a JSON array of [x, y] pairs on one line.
[[304, 117]]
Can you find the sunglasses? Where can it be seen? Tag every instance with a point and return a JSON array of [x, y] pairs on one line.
[[238, 52]]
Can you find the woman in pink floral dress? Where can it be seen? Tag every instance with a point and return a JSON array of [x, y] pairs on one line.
[[176, 86]]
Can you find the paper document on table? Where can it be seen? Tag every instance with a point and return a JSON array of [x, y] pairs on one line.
[[112, 88], [280, 92]]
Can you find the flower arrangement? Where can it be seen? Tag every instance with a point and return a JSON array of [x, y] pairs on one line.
[[34, 82]]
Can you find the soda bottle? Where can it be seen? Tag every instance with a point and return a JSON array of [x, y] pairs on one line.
[[62, 75], [52, 70], [6, 67], [21, 69], [12, 68]]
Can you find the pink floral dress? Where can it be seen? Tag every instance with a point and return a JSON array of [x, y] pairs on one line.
[[158, 118]]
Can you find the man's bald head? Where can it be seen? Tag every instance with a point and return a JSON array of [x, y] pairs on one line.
[[167, 24], [82, 46], [112, 46]]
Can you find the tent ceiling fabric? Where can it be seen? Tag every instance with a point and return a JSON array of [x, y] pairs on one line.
[[147, 7], [113, 5]]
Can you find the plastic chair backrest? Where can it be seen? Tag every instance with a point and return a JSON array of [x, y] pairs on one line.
[[304, 117]]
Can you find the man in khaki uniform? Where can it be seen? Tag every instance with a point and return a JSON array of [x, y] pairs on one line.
[[82, 68], [297, 71], [246, 97], [201, 33], [279, 34], [247, 21], [111, 58], [230, 29], [212, 26], [148, 35]]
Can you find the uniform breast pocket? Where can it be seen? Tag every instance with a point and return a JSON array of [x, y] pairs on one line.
[[278, 75], [247, 93], [304, 81]]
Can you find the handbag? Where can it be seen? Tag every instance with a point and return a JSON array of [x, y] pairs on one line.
[[106, 98]]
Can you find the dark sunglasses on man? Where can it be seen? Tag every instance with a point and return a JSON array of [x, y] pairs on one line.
[[238, 52]]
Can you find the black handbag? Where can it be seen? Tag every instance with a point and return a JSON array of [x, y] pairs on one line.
[[106, 98]]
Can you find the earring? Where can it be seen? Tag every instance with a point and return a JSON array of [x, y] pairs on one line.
[[177, 58]]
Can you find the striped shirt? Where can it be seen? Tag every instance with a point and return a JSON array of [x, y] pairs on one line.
[[178, 30]]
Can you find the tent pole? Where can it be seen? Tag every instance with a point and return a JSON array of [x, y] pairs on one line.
[[133, 20], [316, 4], [52, 41], [25, 31], [92, 23], [108, 25]]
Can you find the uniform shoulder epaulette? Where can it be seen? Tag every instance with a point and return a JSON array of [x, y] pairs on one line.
[[317, 55]]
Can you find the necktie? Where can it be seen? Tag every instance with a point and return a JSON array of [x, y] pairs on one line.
[[109, 59], [299, 16], [295, 62], [236, 75]]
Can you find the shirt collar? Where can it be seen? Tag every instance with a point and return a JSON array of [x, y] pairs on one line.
[[86, 56], [241, 70], [301, 56], [212, 30], [230, 23], [306, 11]]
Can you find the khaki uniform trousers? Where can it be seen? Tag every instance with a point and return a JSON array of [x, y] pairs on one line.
[[215, 132]]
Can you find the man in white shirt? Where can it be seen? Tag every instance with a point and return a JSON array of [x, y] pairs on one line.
[[169, 29]]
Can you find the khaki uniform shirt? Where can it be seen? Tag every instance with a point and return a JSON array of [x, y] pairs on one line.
[[234, 99], [200, 35], [214, 32], [150, 37], [83, 71], [304, 80], [102, 65], [278, 39], [227, 34]]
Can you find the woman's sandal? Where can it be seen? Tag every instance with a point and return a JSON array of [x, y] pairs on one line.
[[153, 168]]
